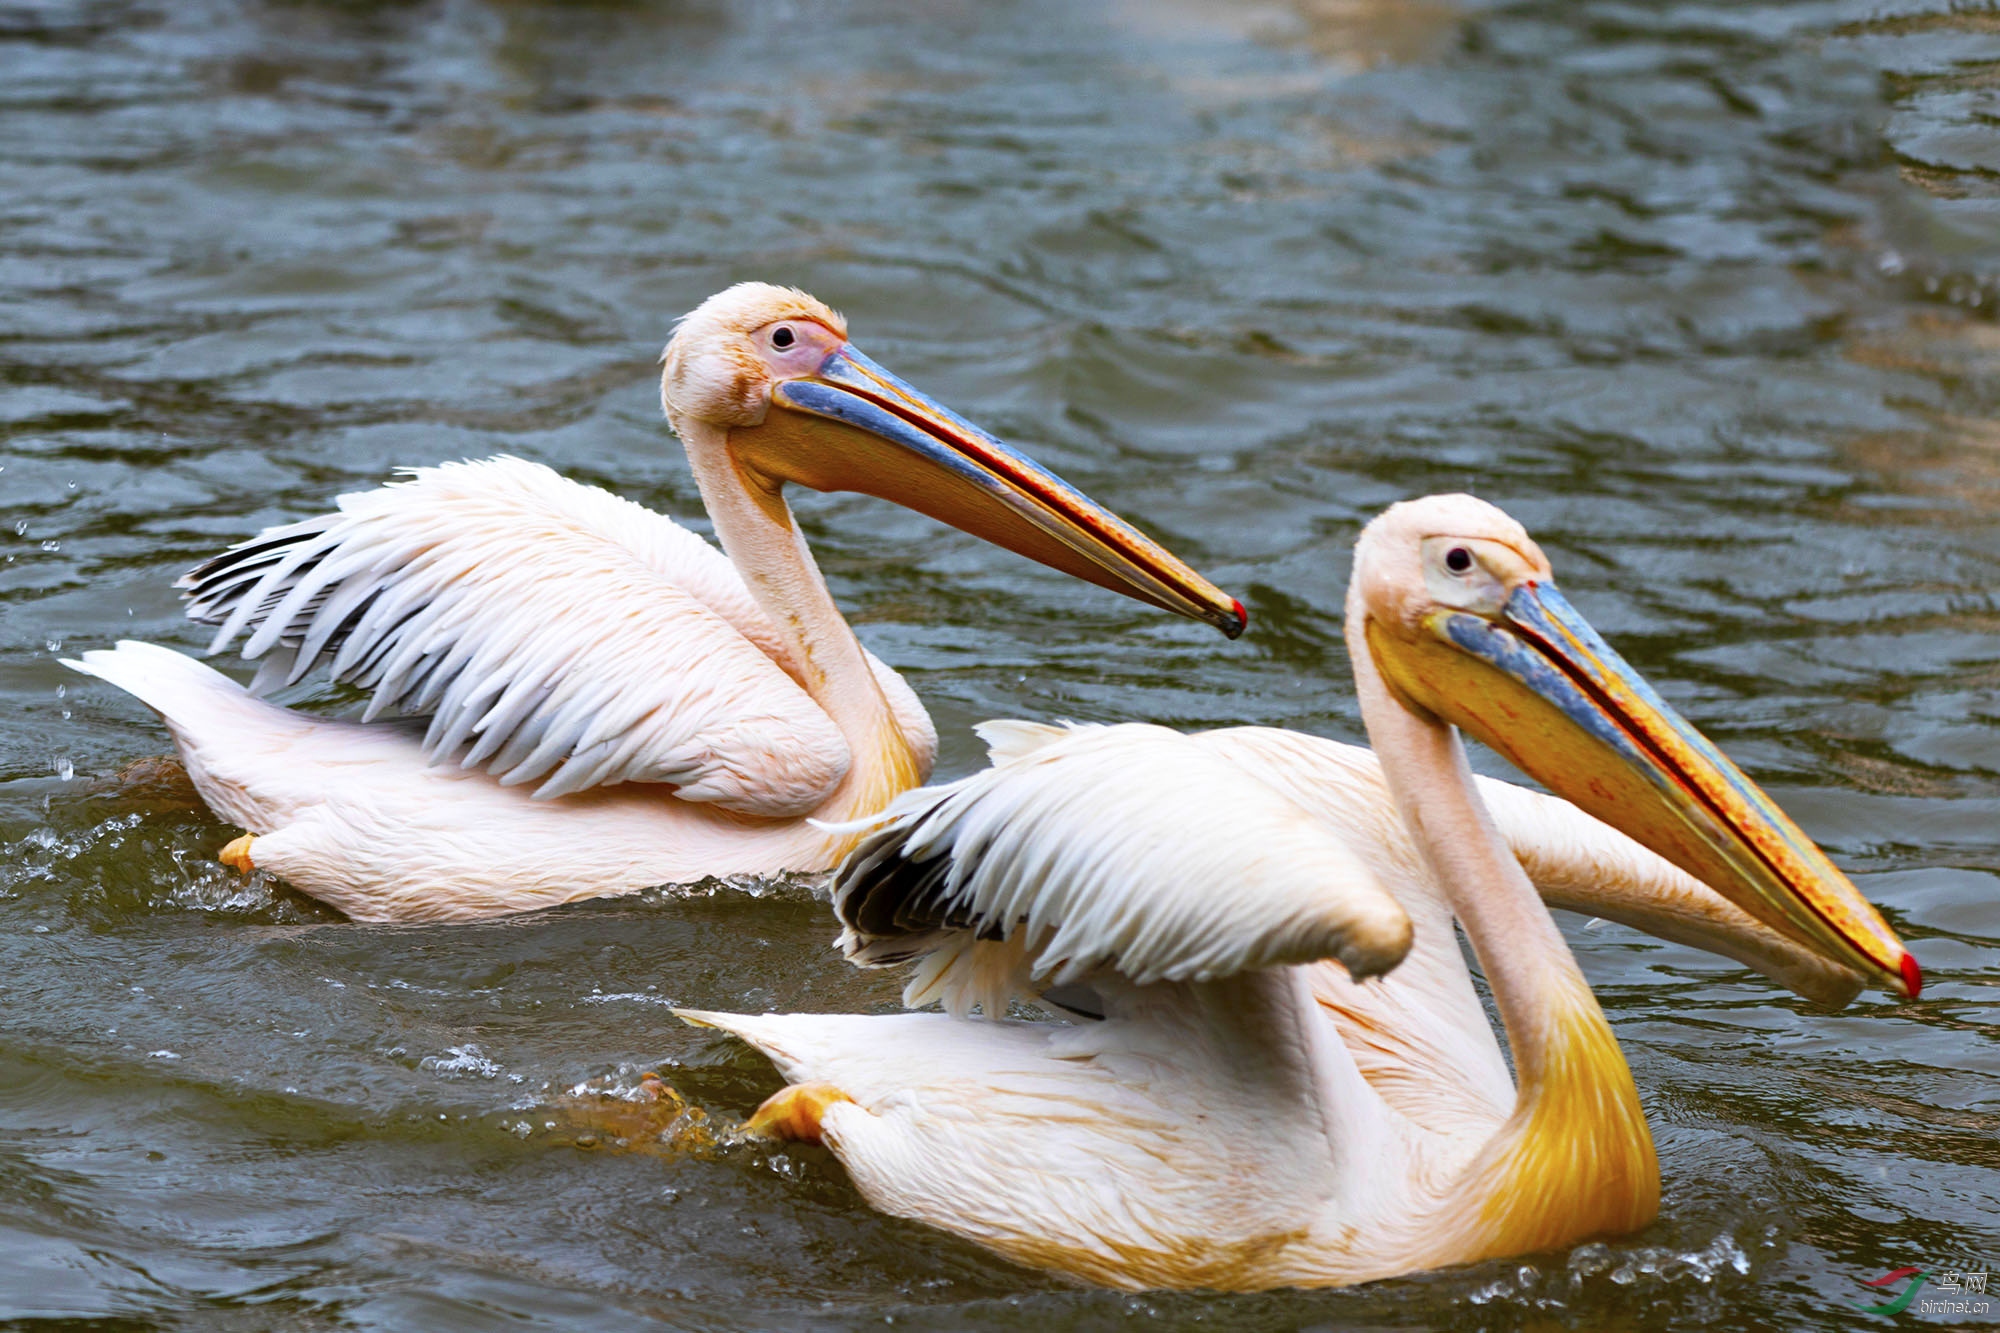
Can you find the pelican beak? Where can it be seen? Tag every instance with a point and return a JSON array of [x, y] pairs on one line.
[[853, 426], [1539, 685]]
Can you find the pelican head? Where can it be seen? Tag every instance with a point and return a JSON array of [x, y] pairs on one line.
[[1464, 622], [769, 372]]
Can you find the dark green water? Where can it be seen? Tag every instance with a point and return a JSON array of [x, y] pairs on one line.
[[1698, 291]]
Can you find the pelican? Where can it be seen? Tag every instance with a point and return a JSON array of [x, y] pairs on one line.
[[680, 712], [1291, 1080]]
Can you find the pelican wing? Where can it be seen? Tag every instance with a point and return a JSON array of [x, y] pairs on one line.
[[1575, 861], [553, 633], [1129, 849]]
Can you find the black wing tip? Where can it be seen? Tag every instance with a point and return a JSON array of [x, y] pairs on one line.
[[882, 892]]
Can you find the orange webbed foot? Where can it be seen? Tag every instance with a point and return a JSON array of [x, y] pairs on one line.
[[236, 854], [653, 1118], [794, 1113]]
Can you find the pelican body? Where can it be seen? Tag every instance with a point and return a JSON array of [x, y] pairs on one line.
[[611, 702], [1287, 1077]]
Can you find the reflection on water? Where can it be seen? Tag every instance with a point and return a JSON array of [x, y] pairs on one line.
[[1350, 35], [1703, 293]]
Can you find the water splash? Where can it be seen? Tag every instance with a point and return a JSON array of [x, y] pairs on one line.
[[208, 886], [1600, 1274], [789, 887], [461, 1062], [627, 1083], [48, 854], [631, 997]]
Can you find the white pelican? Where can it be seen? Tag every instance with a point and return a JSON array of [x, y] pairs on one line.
[[1244, 1116], [682, 712]]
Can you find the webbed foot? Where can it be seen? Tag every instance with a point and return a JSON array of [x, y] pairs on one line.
[[653, 1119], [236, 854], [794, 1113]]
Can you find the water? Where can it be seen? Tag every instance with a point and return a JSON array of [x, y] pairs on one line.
[[1702, 293]]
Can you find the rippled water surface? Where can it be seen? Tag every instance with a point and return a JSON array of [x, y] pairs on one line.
[[1699, 291]]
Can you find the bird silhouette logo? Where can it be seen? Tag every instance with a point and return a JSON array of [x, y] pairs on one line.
[[1902, 1301]]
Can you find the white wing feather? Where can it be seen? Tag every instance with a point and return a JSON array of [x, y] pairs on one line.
[[1131, 848], [553, 632]]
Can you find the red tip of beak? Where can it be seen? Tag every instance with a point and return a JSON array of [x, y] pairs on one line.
[[1913, 976], [1242, 616]]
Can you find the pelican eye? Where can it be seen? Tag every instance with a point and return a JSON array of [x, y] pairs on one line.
[[782, 337], [1458, 560]]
